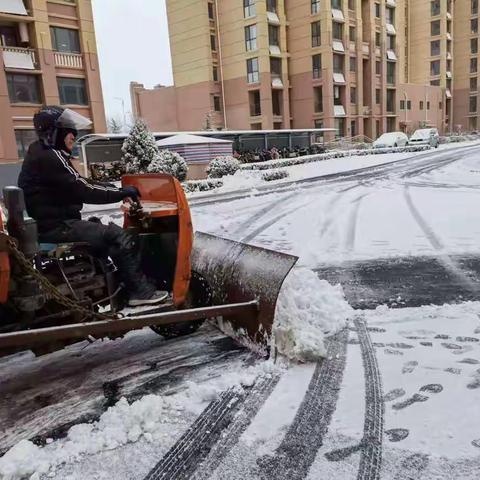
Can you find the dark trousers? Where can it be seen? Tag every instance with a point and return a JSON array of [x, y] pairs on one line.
[[107, 241]]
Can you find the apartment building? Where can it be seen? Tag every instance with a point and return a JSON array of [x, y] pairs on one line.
[[363, 67], [47, 56], [466, 66]]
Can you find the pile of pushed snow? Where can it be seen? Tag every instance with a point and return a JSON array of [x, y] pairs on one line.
[[308, 310]]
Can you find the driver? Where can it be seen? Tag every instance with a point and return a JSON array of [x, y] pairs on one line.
[[55, 194]]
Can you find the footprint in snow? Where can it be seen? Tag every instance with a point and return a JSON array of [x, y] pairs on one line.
[[376, 330], [451, 346], [464, 349], [476, 443], [378, 345], [469, 361], [426, 344], [474, 384], [394, 394], [354, 341], [343, 453], [409, 367], [416, 398], [400, 345], [391, 351], [467, 339], [454, 371], [432, 388], [397, 434], [442, 337]]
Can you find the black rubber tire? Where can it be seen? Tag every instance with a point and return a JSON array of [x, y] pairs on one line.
[[199, 295]]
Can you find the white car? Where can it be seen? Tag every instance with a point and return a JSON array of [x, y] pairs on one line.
[[391, 139], [425, 136]]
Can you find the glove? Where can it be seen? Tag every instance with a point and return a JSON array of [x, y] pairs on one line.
[[131, 192]]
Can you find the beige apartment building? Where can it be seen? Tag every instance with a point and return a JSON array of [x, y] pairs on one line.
[[47, 56], [363, 67]]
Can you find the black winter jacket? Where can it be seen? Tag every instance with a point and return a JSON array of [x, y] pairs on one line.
[[54, 191]]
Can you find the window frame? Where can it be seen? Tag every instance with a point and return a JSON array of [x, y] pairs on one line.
[[61, 92]]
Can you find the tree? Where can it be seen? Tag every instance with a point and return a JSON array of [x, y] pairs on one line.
[[114, 126], [171, 163], [221, 166], [139, 148]]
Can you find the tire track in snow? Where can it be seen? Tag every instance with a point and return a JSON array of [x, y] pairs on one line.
[[353, 223], [371, 452], [251, 407], [296, 454], [438, 245]]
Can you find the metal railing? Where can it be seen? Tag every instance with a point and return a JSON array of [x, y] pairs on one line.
[[68, 60]]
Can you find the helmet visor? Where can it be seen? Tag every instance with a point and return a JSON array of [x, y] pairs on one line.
[[73, 120]]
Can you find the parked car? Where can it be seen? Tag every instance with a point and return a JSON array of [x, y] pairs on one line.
[[391, 139], [425, 136]]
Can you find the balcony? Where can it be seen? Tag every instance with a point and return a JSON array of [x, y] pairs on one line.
[[277, 82], [391, 3], [14, 9], [68, 60], [20, 58]]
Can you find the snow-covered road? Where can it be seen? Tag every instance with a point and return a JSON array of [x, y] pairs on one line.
[[397, 396]]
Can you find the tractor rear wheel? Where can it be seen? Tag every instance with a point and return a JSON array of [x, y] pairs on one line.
[[199, 295]]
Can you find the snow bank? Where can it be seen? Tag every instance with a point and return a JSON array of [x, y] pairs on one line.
[[308, 309]]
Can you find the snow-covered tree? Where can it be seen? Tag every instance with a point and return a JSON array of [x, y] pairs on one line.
[[221, 166], [139, 148], [171, 163], [114, 125]]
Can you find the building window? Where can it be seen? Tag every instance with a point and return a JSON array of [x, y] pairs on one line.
[[473, 84], [435, 68], [391, 101], [353, 64], [421, 105], [435, 8], [435, 83], [390, 16], [211, 15], [337, 4], [402, 104], [317, 66], [474, 25], [249, 8], [473, 105], [409, 104], [337, 31], [276, 66], [473, 65], [377, 10], [352, 33], [428, 105], [65, 40], [272, 6], [274, 35], [318, 99], [73, 91], [338, 63], [318, 123], [316, 34], [435, 48], [353, 128], [216, 103], [253, 75], [351, 4], [215, 74], [213, 43], [24, 139], [340, 127], [377, 96], [378, 67], [390, 73], [277, 102], [474, 7], [254, 100], [315, 6], [251, 37], [23, 88], [474, 45], [435, 28], [256, 126], [378, 39], [353, 95]]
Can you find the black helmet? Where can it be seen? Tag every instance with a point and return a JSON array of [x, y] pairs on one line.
[[49, 120]]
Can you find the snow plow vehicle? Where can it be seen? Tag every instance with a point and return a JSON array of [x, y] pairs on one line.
[[54, 295]]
